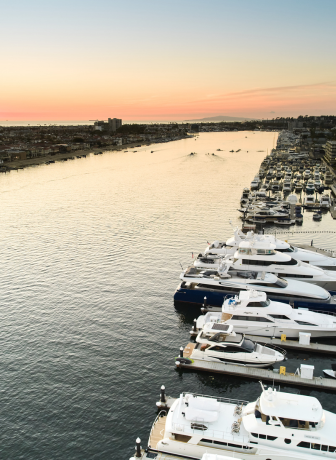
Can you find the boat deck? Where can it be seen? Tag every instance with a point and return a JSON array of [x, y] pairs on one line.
[[188, 350], [157, 432]]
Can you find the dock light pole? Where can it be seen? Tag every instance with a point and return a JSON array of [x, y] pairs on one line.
[[181, 352], [194, 325], [138, 447], [163, 394]]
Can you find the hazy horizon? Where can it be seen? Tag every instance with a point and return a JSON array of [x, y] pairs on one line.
[[71, 60]]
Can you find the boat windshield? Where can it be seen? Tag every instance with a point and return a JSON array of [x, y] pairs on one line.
[[290, 249], [281, 283], [262, 303], [248, 345]]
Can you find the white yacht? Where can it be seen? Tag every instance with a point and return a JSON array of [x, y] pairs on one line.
[[198, 287], [306, 174], [251, 312], [231, 245], [259, 255], [277, 426], [269, 215], [325, 201], [310, 187], [255, 183], [262, 256], [287, 186], [309, 201], [220, 343]]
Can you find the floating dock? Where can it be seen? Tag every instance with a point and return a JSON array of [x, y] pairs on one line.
[[324, 252], [319, 383]]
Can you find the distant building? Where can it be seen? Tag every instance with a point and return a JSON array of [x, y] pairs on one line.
[[112, 124], [330, 153], [294, 124]]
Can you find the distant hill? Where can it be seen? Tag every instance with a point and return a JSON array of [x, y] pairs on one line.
[[222, 118]]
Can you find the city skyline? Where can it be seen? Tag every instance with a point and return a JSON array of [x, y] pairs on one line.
[[176, 61]]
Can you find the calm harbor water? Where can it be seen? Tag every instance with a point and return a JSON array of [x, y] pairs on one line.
[[90, 258]]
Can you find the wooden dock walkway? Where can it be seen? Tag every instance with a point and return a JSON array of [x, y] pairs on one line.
[[325, 252], [318, 383], [295, 345]]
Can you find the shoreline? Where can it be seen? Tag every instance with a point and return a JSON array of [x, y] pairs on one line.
[[61, 156]]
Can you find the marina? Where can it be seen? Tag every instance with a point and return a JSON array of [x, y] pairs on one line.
[[250, 332]]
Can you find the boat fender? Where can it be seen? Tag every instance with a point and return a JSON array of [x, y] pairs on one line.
[[184, 360]]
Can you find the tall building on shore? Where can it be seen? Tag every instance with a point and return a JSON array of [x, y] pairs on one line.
[[330, 153], [114, 124], [111, 125]]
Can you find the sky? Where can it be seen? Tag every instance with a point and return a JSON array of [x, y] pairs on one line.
[[166, 60]]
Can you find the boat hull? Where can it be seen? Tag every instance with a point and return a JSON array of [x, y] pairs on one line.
[[195, 298]]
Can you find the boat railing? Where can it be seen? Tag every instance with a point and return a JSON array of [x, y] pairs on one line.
[[199, 426], [162, 413], [274, 347], [217, 398], [329, 313]]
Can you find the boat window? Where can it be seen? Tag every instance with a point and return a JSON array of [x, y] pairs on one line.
[[324, 448], [251, 318], [181, 437], [315, 446], [304, 444], [244, 251], [248, 345], [305, 323], [218, 337], [279, 316], [217, 288], [288, 262], [206, 440], [271, 438], [220, 443], [266, 252], [332, 449], [290, 249], [262, 436], [292, 275], [262, 303], [281, 283], [257, 262], [227, 349]]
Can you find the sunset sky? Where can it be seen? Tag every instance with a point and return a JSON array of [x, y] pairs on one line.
[[166, 60]]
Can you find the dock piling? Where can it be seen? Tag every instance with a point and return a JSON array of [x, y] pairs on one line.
[[138, 447], [163, 395]]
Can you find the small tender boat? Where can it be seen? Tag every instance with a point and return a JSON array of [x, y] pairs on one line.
[[284, 221], [331, 373], [317, 216], [325, 201]]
